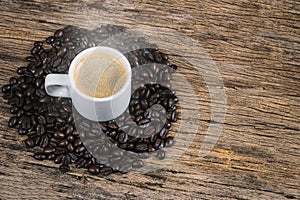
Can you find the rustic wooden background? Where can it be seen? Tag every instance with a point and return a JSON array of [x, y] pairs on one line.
[[256, 47]]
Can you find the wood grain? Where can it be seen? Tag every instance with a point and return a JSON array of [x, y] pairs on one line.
[[256, 47]]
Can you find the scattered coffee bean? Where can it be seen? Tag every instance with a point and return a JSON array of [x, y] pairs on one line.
[[137, 163], [161, 154], [94, 169], [39, 156], [49, 123], [29, 142], [13, 121]]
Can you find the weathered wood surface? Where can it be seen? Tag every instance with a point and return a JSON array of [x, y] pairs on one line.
[[256, 47]]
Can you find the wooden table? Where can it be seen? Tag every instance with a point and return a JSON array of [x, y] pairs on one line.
[[256, 47]]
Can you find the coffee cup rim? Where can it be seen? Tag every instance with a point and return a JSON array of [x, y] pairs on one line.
[[90, 50]]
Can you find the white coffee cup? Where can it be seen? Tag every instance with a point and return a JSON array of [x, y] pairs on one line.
[[92, 108]]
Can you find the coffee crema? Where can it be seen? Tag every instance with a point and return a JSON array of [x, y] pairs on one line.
[[100, 75]]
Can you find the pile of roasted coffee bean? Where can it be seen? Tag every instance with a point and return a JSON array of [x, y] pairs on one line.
[[61, 135]]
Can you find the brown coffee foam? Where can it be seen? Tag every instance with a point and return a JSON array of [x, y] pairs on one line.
[[93, 78]]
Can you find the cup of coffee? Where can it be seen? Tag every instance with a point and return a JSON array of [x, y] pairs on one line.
[[98, 82]]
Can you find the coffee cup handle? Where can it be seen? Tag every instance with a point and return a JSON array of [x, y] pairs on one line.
[[57, 85]]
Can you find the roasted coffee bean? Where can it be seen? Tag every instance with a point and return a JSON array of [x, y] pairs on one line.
[[58, 158], [143, 122], [123, 137], [39, 156], [161, 154], [13, 121], [137, 163], [6, 88], [94, 169], [40, 129], [71, 138], [51, 156], [141, 147], [169, 141], [29, 142], [62, 143], [73, 157], [70, 147], [174, 116], [80, 149], [26, 124], [8, 95], [151, 148], [59, 151], [58, 33], [157, 143], [106, 171], [81, 163], [112, 125], [50, 39], [125, 167], [66, 159], [163, 132], [14, 110], [22, 131], [13, 81], [41, 119], [48, 150], [44, 141], [144, 104], [39, 83]]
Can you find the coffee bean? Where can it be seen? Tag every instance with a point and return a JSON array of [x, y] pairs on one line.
[[22, 131], [39, 156], [51, 156], [58, 158], [157, 143], [144, 104], [26, 124], [40, 129], [58, 33], [77, 142], [174, 116], [41, 119], [6, 88], [163, 132], [141, 147], [80, 149], [94, 169], [161, 154], [143, 122], [62, 143], [48, 150], [123, 137], [70, 147], [81, 162], [125, 167], [14, 110], [169, 141], [44, 141], [137, 163], [66, 159], [73, 157], [13, 121], [106, 171], [50, 39], [29, 142]]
